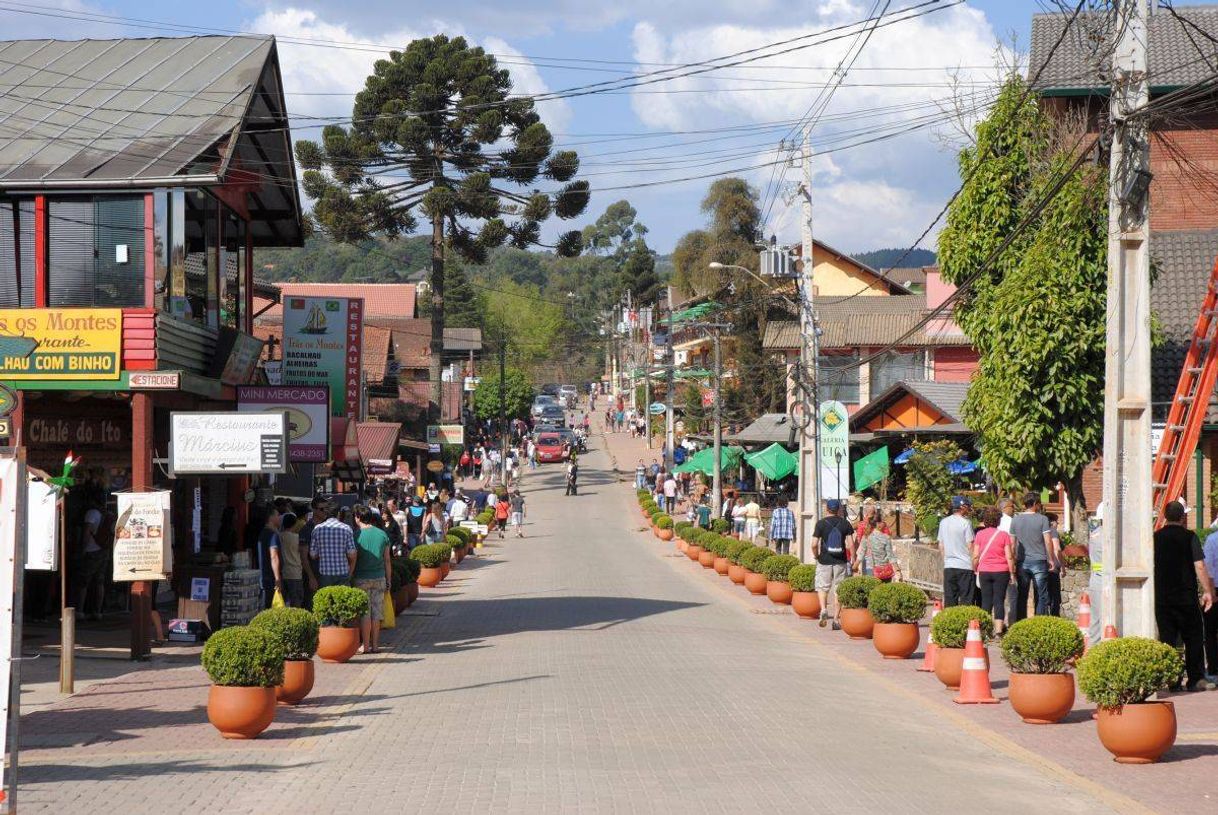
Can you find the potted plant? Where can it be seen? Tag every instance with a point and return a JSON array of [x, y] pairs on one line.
[[404, 587], [1039, 652], [664, 528], [852, 596], [245, 665], [776, 568], [733, 551], [754, 579], [680, 529], [721, 526], [446, 557], [457, 545], [1120, 676], [694, 550], [950, 629], [710, 543], [338, 610], [896, 609], [431, 559], [295, 630], [721, 564], [804, 600]]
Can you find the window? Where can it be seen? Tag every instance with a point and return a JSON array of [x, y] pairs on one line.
[[17, 254], [894, 367], [96, 251], [839, 378]]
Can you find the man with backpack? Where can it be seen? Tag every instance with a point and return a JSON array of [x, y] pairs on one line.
[[832, 540]]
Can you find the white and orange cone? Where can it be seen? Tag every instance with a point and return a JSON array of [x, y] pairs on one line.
[[1110, 632], [1084, 620], [975, 676], [928, 660]]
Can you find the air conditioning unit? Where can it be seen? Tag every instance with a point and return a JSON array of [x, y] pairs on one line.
[[776, 262]]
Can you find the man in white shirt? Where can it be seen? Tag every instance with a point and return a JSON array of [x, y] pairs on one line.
[[955, 539], [459, 510], [670, 493]]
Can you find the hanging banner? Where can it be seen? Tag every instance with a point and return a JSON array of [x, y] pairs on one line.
[[61, 343], [42, 528], [143, 537], [834, 450], [12, 521], [308, 410], [322, 339]]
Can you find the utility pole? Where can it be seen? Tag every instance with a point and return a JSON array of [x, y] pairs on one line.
[[1128, 554], [503, 431], [717, 478], [809, 436], [668, 416]]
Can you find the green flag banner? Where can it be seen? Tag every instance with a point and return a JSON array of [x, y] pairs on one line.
[[871, 468]]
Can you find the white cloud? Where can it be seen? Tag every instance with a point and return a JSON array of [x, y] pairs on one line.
[[525, 79]]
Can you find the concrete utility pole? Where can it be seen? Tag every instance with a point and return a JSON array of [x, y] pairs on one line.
[[1128, 556], [503, 429], [669, 435], [809, 441], [717, 478]]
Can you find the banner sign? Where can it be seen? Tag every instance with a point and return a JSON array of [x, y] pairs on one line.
[[322, 339], [228, 443], [61, 343], [12, 520], [445, 434], [143, 537], [42, 528], [834, 450], [308, 410]]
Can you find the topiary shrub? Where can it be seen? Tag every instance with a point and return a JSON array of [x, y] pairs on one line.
[[735, 549], [1042, 645], [721, 526], [753, 557], [853, 592], [777, 567], [897, 603], [802, 577], [950, 626], [464, 534], [446, 552], [665, 522], [293, 628], [699, 537], [712, 543], [682, 528], [1127, 671], [454, 541], [340, 605], [429, 555], [244, 657]]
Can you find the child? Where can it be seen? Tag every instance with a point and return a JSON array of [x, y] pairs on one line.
[[502, 508]]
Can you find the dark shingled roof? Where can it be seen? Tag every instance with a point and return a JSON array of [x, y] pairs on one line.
[[850, 322], [946, 397], [1183, 262], [1174, 59]]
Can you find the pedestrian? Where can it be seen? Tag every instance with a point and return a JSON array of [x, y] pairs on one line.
[[478, 453], [293, 568], [1179, 567], [876, 552], [92, 561], [572, 477], [752, 519], [332, 546], [704, 513], [373, 572], [1210, 557], [503, 509], [832, 544], [738, 517], [517, 505], [1006, 507], [782, 528], [458, 510], [435, 527], [270, 556], [1055, 575], [955, 539], [994, 558], [1034, 556], [670, 494], [414, 523], [465, 463], [640, 476]]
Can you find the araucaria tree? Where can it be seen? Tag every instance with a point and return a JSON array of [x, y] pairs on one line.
[[437, 133]]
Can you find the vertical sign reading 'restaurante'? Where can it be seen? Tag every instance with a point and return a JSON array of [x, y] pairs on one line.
[[321, 346]]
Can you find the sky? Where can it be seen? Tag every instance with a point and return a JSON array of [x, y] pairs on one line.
[[662, 143]]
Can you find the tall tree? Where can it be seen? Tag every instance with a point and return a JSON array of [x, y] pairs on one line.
[[619, 235], [418, 143]]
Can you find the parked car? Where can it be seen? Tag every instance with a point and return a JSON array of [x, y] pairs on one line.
[[552, 414], [549, 448], [567, 394], [541, 401]]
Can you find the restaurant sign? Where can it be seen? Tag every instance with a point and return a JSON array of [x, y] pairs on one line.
[[322, 337], [67, 343]]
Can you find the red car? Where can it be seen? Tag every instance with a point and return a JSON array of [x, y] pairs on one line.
[[549, 448]]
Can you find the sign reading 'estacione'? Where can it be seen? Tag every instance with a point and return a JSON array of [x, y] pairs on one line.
[[60, 343]]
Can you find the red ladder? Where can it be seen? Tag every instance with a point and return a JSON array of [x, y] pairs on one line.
[[1189, 406]]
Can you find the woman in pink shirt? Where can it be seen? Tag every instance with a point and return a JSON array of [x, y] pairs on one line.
[[994, 562]]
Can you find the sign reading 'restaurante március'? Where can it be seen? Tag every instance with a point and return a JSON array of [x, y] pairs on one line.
[[60, 343]]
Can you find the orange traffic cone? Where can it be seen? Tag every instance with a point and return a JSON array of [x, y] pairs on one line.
[[928, 661], [1084, 620], [1110, 632], [975, 676]]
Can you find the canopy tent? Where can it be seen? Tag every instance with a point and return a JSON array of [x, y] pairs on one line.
[[703, 461], [774, 462], [962, 466], [696, 312], [693, 373], [905, 456]]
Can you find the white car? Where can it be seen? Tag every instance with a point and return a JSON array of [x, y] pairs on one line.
[[541, 402]]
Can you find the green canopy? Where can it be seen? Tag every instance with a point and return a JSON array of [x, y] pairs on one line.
[[695, 312], [693, 373], [774, 462], [871, 468], [703, 461]]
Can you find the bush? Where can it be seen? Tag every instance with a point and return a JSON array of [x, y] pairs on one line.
[[244, 657], [699, 537], [721, 545], [753, 557], [446, 552], [897, 603], [429, 555], [853, 592], [454, 541], [735, 549], [340, 605], [665, 522], [950, 626], [802, 577], [682, 528], [721, 525], [1041, 645], [464, 534], [1127, 670], [777, 567], [293, 628], [711, 543]]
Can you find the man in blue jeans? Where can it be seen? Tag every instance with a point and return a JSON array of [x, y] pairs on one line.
[[1035, 555]]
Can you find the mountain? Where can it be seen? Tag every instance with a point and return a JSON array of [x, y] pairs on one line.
[[884, 258]]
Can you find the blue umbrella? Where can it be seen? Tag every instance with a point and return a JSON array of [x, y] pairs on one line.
[[961, 466], [904, 457]]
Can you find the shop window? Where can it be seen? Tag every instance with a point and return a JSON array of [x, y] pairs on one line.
[[17, 254], [96, 251], [894, 367], [839, 378]]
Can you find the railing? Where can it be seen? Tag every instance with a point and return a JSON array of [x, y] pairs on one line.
[[925, 567]]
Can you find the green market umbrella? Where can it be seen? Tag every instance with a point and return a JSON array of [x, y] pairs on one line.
[[703, 461], [871, 468], [774, 462]]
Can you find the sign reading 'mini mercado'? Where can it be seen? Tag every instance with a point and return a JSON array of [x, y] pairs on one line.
[[60, 343]]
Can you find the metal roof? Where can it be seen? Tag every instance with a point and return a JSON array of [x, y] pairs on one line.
[[852, 322], [163, 111], [946, 397], [766, 429]]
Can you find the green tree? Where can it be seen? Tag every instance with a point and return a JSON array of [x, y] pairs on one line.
[[518, 391], [928, 484], [694, 413], [618, 235], [637, 274], [463, 304], [428, 113]]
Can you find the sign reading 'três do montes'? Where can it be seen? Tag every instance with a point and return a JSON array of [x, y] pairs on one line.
[[60, 343]]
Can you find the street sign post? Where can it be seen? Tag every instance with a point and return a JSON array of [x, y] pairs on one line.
[[228, 443]]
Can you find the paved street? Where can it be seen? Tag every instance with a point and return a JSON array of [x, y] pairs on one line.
[[582, 669]]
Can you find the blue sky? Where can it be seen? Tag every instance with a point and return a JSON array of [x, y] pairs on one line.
[[866, 196]]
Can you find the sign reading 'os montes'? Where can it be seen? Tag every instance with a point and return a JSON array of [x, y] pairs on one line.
[[60, 343], [227, 443]]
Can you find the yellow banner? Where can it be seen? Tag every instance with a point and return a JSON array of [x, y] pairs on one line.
[[60, 343]]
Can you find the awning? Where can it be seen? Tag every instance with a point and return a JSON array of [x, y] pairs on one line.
[[696, 312], [378, 445], [774, 462], [344, 443], [693, 373], [703, 461]]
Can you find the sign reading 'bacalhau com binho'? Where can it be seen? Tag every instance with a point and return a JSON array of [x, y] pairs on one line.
[[60, 343]]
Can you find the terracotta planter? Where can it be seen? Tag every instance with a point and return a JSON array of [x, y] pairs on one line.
[[735, 573], [1138, 734], [806, 604], [721, 565], [949, 662], [895, 640], [297, 681], [459, 554], [336, 643], [1041, 698], [401, 599], [682, 546], [412, 593], [445, 568], [707, 558], [664, 534], [430, 576], [779, 592], [240, 713], [857, 623], [693, 551], [755, 582]]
